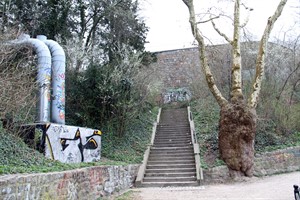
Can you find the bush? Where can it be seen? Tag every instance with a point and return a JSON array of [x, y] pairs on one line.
[[130, 147], [18, 84]]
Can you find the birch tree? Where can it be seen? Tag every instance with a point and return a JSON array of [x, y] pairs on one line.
[[237, 114]]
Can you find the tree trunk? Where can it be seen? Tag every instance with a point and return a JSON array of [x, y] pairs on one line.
[[236, 138], [237, 118]]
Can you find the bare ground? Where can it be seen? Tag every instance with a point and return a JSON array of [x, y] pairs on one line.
[[276, 187]]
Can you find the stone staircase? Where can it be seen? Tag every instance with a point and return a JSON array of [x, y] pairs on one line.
[[171, 160]]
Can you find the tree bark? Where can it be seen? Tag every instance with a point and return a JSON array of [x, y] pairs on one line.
[[236, 68], [236, 137]]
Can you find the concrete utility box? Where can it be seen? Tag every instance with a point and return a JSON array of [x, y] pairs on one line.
[[67, 144]]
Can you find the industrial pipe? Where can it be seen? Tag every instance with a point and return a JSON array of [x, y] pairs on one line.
[[44, 74], [58, 80]]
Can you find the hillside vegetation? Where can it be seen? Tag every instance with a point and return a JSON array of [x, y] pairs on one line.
[[17, 157], [112, 86]]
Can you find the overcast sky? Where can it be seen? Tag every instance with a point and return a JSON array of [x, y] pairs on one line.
[[170, 29]]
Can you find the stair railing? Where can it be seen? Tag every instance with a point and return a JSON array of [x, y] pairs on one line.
[[196, 147], [142, 168]]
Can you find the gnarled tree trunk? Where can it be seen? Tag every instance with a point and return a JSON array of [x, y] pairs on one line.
[[236, 137]]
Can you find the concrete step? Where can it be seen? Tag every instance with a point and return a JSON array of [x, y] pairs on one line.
[[178, 151], [171, 158], [182, 174], [168, 130], [171, 145], [182, 122], [167, 151], [169, 179], [182, 139], [170, 166], [171, 184], [171, 148], [173, 137], [171, 155], [172, 133], [170, 162], [172, 170], [187, 141], [173, 127]]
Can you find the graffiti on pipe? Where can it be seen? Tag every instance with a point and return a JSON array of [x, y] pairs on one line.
[[71, 144], [60, 103], [176, 95]]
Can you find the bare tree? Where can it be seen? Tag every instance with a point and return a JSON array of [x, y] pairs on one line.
[[18, 83], [237, 115]]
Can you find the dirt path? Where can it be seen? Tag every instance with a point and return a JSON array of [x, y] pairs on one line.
[[277, 187]]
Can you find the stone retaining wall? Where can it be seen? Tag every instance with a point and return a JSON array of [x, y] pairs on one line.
[[96, 182], [181, 68], [270, 163], [86, 183]]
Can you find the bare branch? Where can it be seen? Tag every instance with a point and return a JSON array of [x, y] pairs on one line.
[[248, 15], [202, 54], [220, 33], [260, 63], [17, 82], [211, 19], [246, 21], [286, 81]]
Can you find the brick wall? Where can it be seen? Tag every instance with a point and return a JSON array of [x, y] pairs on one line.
[[178, 68], [87, 183], [181, 68]]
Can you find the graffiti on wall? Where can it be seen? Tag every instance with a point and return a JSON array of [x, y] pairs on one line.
[[176, 95], [71, 144]]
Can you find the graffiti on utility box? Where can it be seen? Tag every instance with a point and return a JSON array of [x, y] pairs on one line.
[[176, 95], [71, 144]]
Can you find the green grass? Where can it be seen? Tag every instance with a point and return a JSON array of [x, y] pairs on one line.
[[17, 157], [130, 148], [129, 195], [206, 119]]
